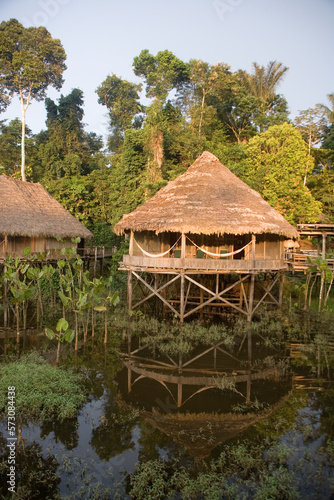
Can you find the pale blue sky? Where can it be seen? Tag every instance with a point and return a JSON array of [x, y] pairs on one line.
[[103, 36]]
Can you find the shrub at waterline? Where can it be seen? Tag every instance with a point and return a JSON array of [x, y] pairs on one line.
[[43, 392]]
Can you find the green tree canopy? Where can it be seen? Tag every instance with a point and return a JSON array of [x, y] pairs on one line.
[[65, 149], [276, 162], [162, 73], [122, 100], [30, 61], [262, 84], [10, 148]]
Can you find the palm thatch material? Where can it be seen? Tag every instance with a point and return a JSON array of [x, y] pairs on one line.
[[27, 209], [207, 199]]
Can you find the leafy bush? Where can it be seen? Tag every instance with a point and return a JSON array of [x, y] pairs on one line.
[[42, 392]]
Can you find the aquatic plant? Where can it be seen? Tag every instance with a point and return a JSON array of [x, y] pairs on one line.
[[43, 392]]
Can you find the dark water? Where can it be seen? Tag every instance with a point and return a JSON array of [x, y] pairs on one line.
[[143, 407]]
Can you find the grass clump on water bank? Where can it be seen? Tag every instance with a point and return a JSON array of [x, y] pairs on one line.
[[42, 392]]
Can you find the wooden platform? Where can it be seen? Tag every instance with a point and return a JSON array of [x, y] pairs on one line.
[[202, 266]]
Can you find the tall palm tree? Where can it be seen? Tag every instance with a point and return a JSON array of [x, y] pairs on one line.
[[328, 111], [264, 81]]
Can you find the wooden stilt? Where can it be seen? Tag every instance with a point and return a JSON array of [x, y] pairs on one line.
[[164, 295], [183, 246], [281, 286], [182, 297], [241, 296], [179, 395], [249, 318], [248, 390], [323, 249], [102, 261], [131, 243], [129, 344], [130, 291], [95, 261], [201, 299], [129, 380], [251, 298]]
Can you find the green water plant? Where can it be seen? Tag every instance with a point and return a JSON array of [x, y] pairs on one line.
[[62, 334], [42, 392]]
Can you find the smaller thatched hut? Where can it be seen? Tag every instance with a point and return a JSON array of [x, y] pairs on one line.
[[30, 217]]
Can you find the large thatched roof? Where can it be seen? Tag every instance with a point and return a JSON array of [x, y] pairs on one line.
[[27, 209], [207, 199]]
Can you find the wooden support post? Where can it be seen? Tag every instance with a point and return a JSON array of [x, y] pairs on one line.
[[131, 243], [129, 344], [249, 345], [201, 299], [183, 248], [179, 395], [182, 297], [102, 261], [323, 249], [95, 261], [156, 285], [179, 385], [130, 291], [241, 296], [253, 249], [251, 298], [281, 285], [249, 318], [164, 295]]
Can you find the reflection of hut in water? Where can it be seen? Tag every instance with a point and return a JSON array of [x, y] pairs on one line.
[[203, 240], [201, 433], [30, 217], [182, 380], [194, 400]]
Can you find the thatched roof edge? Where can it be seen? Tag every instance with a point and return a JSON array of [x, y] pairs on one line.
[[196, 230], [27, 209], [207, 199]]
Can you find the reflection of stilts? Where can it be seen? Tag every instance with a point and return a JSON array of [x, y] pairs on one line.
[[20, 440], [138, 369], [175, 375]]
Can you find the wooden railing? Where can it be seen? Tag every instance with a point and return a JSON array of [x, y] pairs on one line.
[[93, 253], [139, 262], [298, 261], [88, 253]]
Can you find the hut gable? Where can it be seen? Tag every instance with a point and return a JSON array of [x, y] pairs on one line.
[[27, 209], [207, 199]]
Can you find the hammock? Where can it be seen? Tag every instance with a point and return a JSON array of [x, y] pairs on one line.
[[154, 255], [219, 254]]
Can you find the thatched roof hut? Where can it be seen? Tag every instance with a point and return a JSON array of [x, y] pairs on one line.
[[207, 199], [27, 209]]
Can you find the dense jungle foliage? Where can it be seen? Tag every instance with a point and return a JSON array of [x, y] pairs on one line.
[[159, 127]]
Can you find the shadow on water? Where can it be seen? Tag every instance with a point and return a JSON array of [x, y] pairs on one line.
[[188, 410]]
